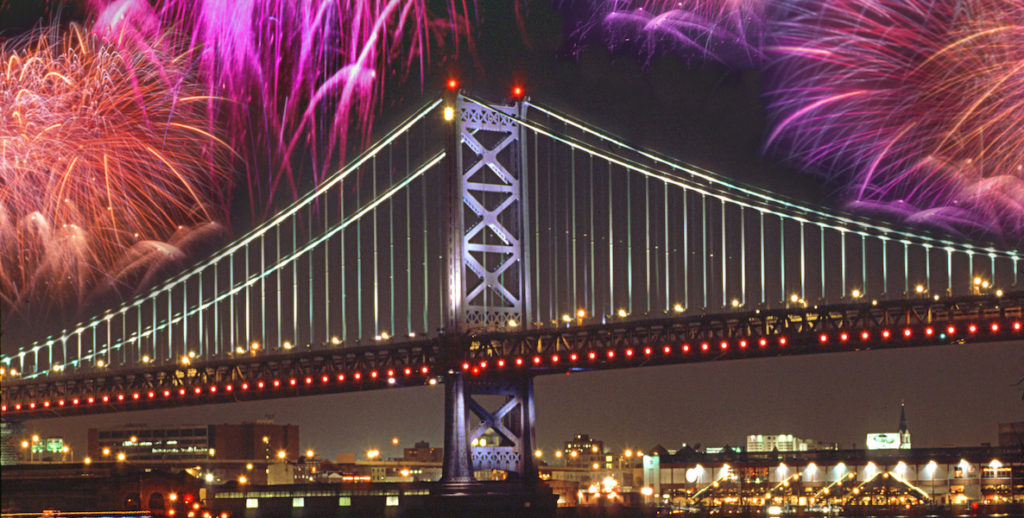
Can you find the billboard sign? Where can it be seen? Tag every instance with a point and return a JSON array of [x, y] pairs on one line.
[[883, 441]]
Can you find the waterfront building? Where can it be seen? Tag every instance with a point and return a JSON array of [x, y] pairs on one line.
[[916, 476], [255, 440], [584, 451], [780, 442]]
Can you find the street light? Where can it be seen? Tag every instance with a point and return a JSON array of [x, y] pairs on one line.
[[281, 454]]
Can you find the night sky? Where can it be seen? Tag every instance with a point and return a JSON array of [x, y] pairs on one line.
[[712, 117]]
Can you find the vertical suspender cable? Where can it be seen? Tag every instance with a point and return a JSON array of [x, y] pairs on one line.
[[724, 259], [761, 246], [572, 224], [376, 258], [704, 248], [668, 277]]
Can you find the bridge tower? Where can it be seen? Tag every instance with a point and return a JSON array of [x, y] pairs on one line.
[[487, 285]]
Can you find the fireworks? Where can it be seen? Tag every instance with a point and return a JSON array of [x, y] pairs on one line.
[[289, 80], [916, 106], [104, 156], [725, 31]]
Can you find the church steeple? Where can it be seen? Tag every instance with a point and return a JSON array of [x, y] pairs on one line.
[[903, 431]]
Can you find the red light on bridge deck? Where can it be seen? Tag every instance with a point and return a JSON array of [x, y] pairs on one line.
[[519, 362], [309, 380], [229, 388], [91, 400], [995, 327], [972, 328], [611, 354], [120, 397], [704, 346], [17, 406], [453, 83], [135, 395], [151, 394], [886, 333], [743, 344], [213, 389], [198, 391], [325, 378], [1016, 326], [843, 337], [629, 353], [929, 331], [763, 342], [573, 357], [341, 377], [181, 392], [32, 405], [536, 360], [465, 366], [647, 351], [864, 335], [60, 403], [277, 383], [424, 369], [260, 384], [106, 399], [668, 350], [292, 381], [46, 404], [782, 340], [391, 372], [592, 355], [408, 371], [686, 348], [907, 332], [554, 358], [501, 363], [475, 371], [373, 374], [357, 375], [724, 345], [167, 393], [74, 401], [3, 408], [823, 338]]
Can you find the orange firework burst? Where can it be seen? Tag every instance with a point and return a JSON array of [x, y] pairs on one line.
[[105, 167]]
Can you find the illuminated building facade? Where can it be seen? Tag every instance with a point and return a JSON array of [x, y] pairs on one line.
[[900, 477], [584, 451], [780, 442], [259, 440]]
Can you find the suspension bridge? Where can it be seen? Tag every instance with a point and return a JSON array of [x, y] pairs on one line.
[[480, 245]]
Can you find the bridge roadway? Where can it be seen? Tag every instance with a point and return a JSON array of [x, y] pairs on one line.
[[614, 344]]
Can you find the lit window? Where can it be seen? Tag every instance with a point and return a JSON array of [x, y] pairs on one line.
[[252, 503], [298, 502], [391, 501], [344, 501]]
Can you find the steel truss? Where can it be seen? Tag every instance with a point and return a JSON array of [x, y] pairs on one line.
[[513, 357]]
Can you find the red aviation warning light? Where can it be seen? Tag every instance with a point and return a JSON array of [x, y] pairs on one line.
[[517, 92], [452, 84]]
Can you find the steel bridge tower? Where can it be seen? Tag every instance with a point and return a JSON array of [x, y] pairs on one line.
[[487, 285]]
